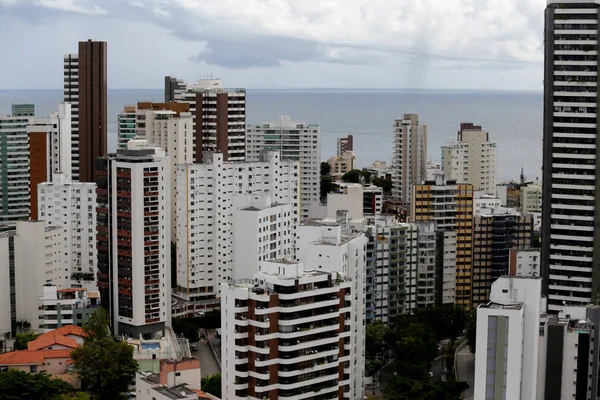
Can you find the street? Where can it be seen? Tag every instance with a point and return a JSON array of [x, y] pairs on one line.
[[465, 369], [436, 368], [208, 364]]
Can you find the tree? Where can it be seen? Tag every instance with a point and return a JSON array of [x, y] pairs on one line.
[[402, 388], [212, 384], [106, 367], [15, 385], [75, 396], [325, 168], [471, 331], [352, 176], [23, 338], [386, 184], [414, 348], [186, 328], [23, 325], [327, 186], [375, 334]]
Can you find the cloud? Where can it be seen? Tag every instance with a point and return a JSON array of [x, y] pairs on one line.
[[76, 6]]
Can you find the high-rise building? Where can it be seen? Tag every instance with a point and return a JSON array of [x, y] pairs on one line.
[[207, 207], [410, 155], [72, 206], [296, 141], [531, 197], [495, 233], [450, 206], [85, 88], [293, 332], [341, 164], [219, 116], [471, 158], [134, 230], [570, 242], [345, 144], [14, 163], [524, 262], [445, 267], [126, 126], [8, 302]]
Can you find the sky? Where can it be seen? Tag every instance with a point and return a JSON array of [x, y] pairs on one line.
[[395, 44]]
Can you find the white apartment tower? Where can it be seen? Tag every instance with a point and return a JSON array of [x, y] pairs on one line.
[[72, 206], [410, 155], [531, 198], [210, 201], [292, 333], [296, 141], [471, 159], [570, 243]]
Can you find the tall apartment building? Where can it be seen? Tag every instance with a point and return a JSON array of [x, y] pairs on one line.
[[524, 262], [495, 233], [471, 158], [126, 126], [134, 230], [85, 88], [445, 267], [72, 206], [14, 163], [341, 164], [219, 116], [570, 242], [410, 155], [292, 332], [296, 141], [8, 302], [450, 206], [531, 197], [426, 265], [345, 144], [206, 217]]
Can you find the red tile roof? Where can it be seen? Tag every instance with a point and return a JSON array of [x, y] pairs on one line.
[[68, 330], [49, 339], [27, 357]]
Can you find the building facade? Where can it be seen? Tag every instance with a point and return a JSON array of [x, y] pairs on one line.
[[61, 307], [345, 144], [471, 159], [531, 197], [410, 155], [341, 164], [296, 141], [126, 126], [524, 262]]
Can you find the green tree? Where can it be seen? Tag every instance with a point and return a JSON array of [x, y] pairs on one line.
[[212, 384], [23, 338], [75, 396], [106, 367], [15, 385], [375, 335], [189, 330], [352, 176], [402, 388], [325, 168], [414, 348], [327, 186], [471, 331], [386, 184]]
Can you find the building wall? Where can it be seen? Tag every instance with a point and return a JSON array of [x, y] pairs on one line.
[[410, 155], [7, 284], [531, 198], [524, 262]]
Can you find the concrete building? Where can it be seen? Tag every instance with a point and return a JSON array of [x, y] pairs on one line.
[[450, 206], [219, 116], [296, 141], [531, 197], [486, 203], [426, 265], [410, 155], [72, 206], [345, 144], [14, 163], [292, 332], [134, 230], [341, 164], [508, 328], [126, 126], [524, 262], [471, 158], [8, 305], [86, 89], [433, 169], [176, 379], [445, 267], [61, 307], [206, 217], [495, 233]]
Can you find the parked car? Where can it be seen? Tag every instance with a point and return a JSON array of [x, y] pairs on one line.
[[193, 347]]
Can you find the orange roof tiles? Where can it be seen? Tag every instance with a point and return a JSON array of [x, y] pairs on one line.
[[49, 339], [26, 357], [68, 330]]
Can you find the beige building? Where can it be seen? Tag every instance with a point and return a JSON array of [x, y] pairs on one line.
[[531, 198], [342, 164], [471, 159], [410, 155]]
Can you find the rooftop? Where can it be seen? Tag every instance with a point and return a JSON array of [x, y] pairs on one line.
[[176, 392], [50, 339], [30, 357]]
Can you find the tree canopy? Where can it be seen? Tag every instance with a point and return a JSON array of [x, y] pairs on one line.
[[19, 385], [106, 367], [186, 328], [386, 184], [212, 384], [325, 168], [375, 334], [22, 339]]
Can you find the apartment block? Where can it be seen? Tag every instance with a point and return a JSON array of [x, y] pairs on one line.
[[8, 304], [471, 158], [126, 126], [219, 116], [206, 215], [426, 265], [292, 332], [433, 170], [445, 267], [450, 206], [524, 262], [531, 197], [134, 230], [410, 155], [341, 164], [296, 141], [62, 307], [494, 235], [86, 89], [345, 144]]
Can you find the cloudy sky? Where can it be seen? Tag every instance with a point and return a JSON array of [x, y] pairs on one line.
[[432, 44]]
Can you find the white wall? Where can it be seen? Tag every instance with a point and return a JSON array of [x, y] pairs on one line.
[[5, 314]]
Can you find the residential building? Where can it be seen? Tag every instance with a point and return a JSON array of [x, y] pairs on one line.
[[85, 88], [60, 307], [381, 170], [433, 170], [445, 267], [341, 164], [14, 163], [126, 126], [410, 155], [172, 373], [206, 216], [312, 321], [524, 262], [134, 230], [296, 141], [471, 158], [219, 116], [483, 202], [531, 197], [426, 265], [508, 329], [450, 206], [345, 144], [72, 206], [495, 233], [8, 303]]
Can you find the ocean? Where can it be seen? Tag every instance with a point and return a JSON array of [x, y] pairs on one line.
[[513, 119]]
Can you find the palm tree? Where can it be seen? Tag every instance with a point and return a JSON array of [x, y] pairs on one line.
[[23, 326]]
